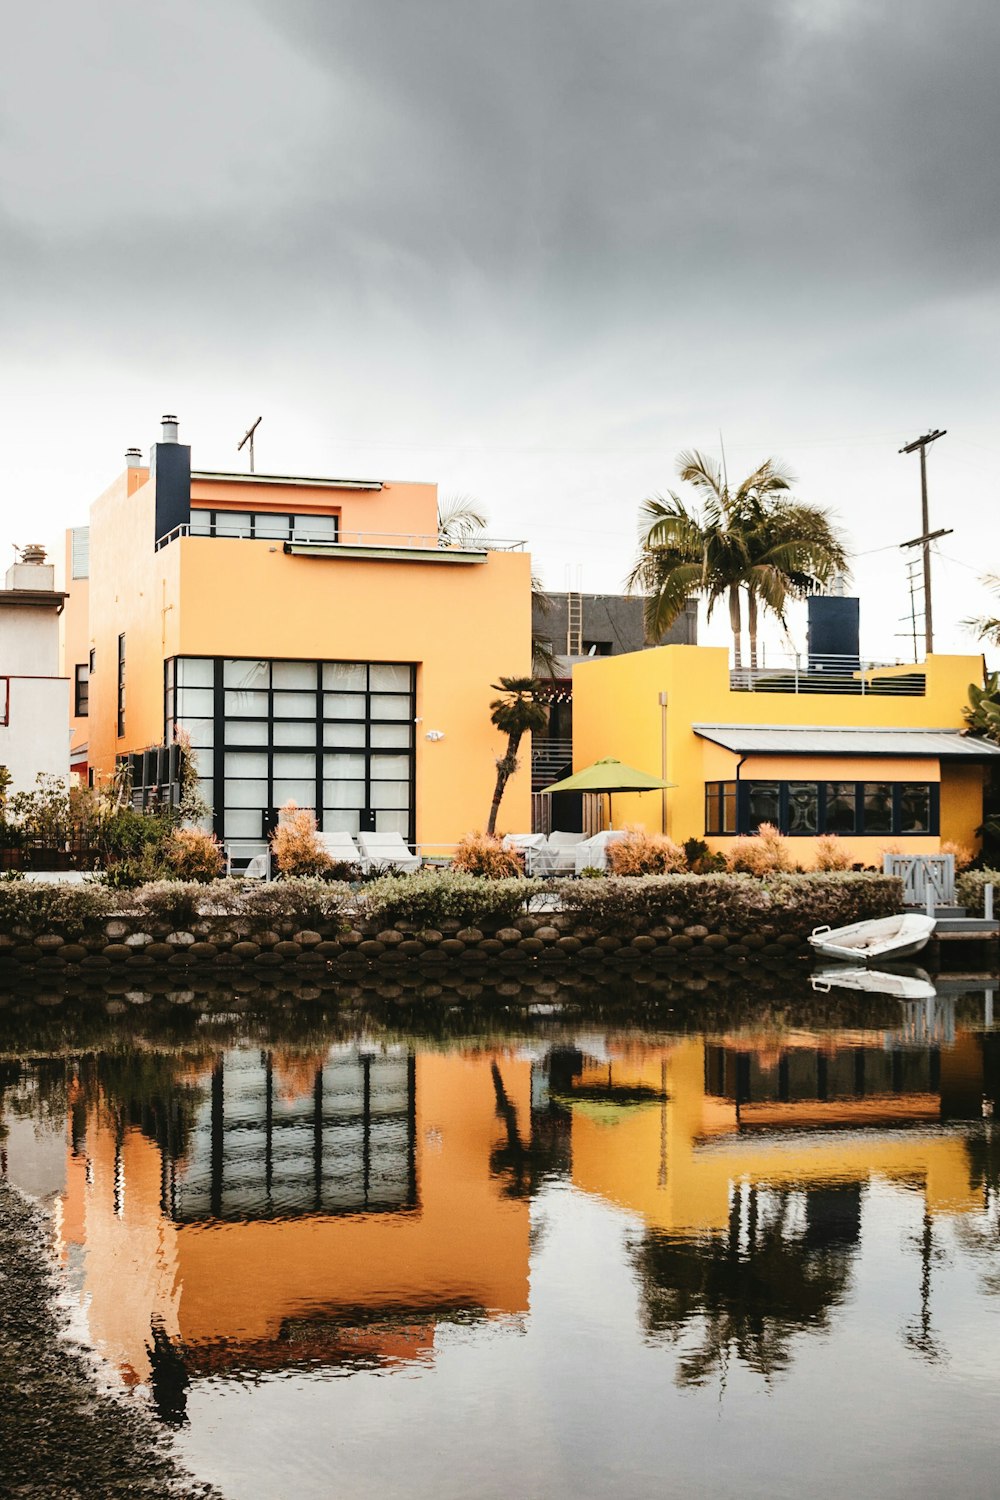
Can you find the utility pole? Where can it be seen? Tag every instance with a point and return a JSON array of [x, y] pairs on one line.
[[923, 443], [248, 438]]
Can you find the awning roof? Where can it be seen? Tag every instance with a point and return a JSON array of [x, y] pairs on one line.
[[784, 739]]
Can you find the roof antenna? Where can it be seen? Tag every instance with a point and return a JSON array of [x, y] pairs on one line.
[[248, 438]]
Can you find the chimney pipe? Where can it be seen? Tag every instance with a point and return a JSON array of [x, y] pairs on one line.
[[169, 429], [133, 458], [32, 553]]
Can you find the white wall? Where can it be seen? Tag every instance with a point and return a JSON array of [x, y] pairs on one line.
[[29, 640], [36, 738]]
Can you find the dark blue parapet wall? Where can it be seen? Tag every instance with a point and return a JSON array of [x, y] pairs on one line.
[[834, 632], [170, 471]]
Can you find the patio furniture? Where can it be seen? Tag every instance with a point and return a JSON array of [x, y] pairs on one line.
[[534, 847], [388, 849], [592, 854], [341, 847], [560, 853], [259, 868]]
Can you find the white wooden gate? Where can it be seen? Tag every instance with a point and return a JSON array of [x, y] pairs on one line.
[[921, 873]]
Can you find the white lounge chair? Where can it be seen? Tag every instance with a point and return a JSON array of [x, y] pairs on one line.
[[388, 849], [560, 853], [341, 847], [592, 854]]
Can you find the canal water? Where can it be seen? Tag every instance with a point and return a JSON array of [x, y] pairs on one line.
[[730, 1238]]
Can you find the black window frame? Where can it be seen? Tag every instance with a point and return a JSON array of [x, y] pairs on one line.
[[81, 690], [260, 515], [720, 797], [121, 684], [745, 825]]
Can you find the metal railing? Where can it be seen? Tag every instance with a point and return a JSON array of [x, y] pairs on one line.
[[548, 759], [389, 541], [808, 672]]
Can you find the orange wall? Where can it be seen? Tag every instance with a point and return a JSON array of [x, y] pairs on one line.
[[398, 508]]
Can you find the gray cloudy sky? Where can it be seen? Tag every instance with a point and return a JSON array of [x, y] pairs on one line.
[[527, 250]]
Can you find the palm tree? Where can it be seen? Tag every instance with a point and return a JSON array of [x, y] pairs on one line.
[[515, 713], [987, 628], [750, 540]]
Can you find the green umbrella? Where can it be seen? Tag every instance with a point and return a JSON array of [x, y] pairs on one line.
[[609, 775]]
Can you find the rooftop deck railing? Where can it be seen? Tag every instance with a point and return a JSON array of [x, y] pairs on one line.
[[389, 541], [809, 672], [549, 758]]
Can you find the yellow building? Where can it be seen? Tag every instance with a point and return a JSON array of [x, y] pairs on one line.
[[315, 638], [876, 756]]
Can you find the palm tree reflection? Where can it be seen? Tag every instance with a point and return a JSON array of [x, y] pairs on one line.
[[776, 1273]]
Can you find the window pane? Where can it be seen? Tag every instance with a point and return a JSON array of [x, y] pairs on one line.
[[244, 793], [840, 807], [878, 807], [246, 763], [343, 794], [390, 768], [803, 807], [341, 819], [273, 527], [315, 528], [914, 809], [195, 702], [390, 794], [294, 733], [290, 763], [293, 674], [391, 736], [351, 767], [247, 704], [389, 678], [393, 822], [243, 823], [245, 674], [729, 807], [201, 521], [344, 734], [384, 707], [712, 807], [246, 732], [202, 761], [764, 803], [302, 792], [345, 676], [344, 705], [232, 523], [201, 732], [294, 705], [195, 671]]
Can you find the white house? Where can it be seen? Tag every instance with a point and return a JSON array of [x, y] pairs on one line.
[[34, 698]]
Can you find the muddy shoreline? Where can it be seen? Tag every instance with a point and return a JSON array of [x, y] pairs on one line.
[[61, 1436]]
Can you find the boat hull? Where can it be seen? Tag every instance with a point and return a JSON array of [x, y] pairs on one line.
[[885, 939]]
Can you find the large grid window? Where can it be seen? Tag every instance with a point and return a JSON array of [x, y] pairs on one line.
[[274, 526], [334, 737], [868, 808]]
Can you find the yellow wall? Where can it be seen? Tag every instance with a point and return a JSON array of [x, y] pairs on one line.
[[463, 624], [616, 712]]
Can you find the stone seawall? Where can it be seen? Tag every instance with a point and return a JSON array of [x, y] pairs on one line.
[[219, 942]]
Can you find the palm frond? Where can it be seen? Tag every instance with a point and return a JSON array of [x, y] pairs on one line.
[[460, 518]]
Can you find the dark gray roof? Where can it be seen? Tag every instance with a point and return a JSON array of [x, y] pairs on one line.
[[786, 739]]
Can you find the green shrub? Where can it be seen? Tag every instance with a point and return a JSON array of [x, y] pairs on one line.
[[30, 907], [971, 886], [309, 901], [428, 899], [738, 904], [178, 902]]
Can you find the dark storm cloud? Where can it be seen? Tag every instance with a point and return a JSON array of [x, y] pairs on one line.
[[564, 158]]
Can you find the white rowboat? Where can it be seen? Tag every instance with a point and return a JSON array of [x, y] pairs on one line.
[[878, 940]]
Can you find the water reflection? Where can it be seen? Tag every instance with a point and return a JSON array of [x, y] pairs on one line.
[[234, 1207]]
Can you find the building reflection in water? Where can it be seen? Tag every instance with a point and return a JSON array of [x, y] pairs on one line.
[[249, 1211]]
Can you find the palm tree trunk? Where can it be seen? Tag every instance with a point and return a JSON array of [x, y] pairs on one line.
[[752, 626], [736, 622], [506, 766]]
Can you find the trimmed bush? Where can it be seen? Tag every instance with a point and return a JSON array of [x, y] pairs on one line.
[[963, 854], [766, 852], [484, 855], [642, 853], [307, 901], [429, 899], [831, 854], [294, 844], [736, 904], [30, 907], [193, 854], [971, 886]]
